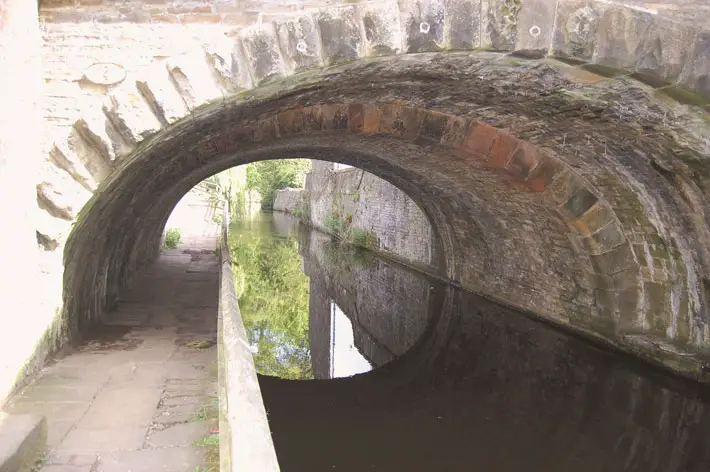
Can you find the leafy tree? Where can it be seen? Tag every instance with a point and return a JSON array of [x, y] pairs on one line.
[[269, 176]]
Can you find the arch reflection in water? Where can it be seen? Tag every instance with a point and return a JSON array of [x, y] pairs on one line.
[[314, 308]]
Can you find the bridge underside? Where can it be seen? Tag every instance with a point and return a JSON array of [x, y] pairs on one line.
[[561, 193], [576, 189]]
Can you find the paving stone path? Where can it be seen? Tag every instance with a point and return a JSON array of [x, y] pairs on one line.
[[140, 394]]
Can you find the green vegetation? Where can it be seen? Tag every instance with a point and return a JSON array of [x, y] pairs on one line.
[[211, 440], [273, 296], [39, 464], [343, 228], [236, 187], [269, 176], [208, 411], [362, 238], [302, 211], [335, 224], [227, 188], [172, 238]]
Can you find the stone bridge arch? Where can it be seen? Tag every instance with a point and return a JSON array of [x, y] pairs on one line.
[[568, 189]]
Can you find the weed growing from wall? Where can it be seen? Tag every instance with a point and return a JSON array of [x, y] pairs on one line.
[[172, 238]]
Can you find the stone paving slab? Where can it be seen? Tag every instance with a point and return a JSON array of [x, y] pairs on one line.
[[68, 468], [22, 439], [173, 459], [132, 398], [103, 440]]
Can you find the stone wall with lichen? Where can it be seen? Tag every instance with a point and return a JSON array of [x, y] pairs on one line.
[[363, 210]]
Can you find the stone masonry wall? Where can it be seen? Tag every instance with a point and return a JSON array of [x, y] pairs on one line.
[[358, 200], [287, 200], [398, 226]]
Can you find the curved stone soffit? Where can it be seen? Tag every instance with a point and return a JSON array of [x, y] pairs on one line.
[[140, 106]]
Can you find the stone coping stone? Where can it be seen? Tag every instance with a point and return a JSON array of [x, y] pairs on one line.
[[23, 439]]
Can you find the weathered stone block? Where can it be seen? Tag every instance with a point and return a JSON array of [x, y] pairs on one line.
[[564, 186], [312, 119], [579, 202], [300, 42], [479, 142], [390, 118], [229, 63], [456, 131], [373, 115], [341, 35], [535, 25], [84, 154], [356, 117], [382, 30], [576, 29], [266, 130], [605, 239], [407, 123], [502, 150], [194, 79], [423, 25], [616, 260], [200, 18], [625, 279], [335, 116], [59, 194], [161, 94], [696, 73], [594, 219], [462, 24], [131, 114], [658, 301], [544, 173], [499, 20], [638, 41], [290, 122], [433, 127], [261, 47], [524, 160], [627, 304]]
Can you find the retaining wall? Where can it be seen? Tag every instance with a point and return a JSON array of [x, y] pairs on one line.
[[345, 201]]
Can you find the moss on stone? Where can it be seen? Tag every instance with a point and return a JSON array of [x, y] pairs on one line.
[[684, 96]]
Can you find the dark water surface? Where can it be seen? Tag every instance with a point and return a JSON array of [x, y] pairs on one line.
[[459, 383]]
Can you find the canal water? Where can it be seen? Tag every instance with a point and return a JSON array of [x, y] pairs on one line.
[[367, 365]]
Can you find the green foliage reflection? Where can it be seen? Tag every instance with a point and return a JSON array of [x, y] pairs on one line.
[[273, 297], [269, 176]]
